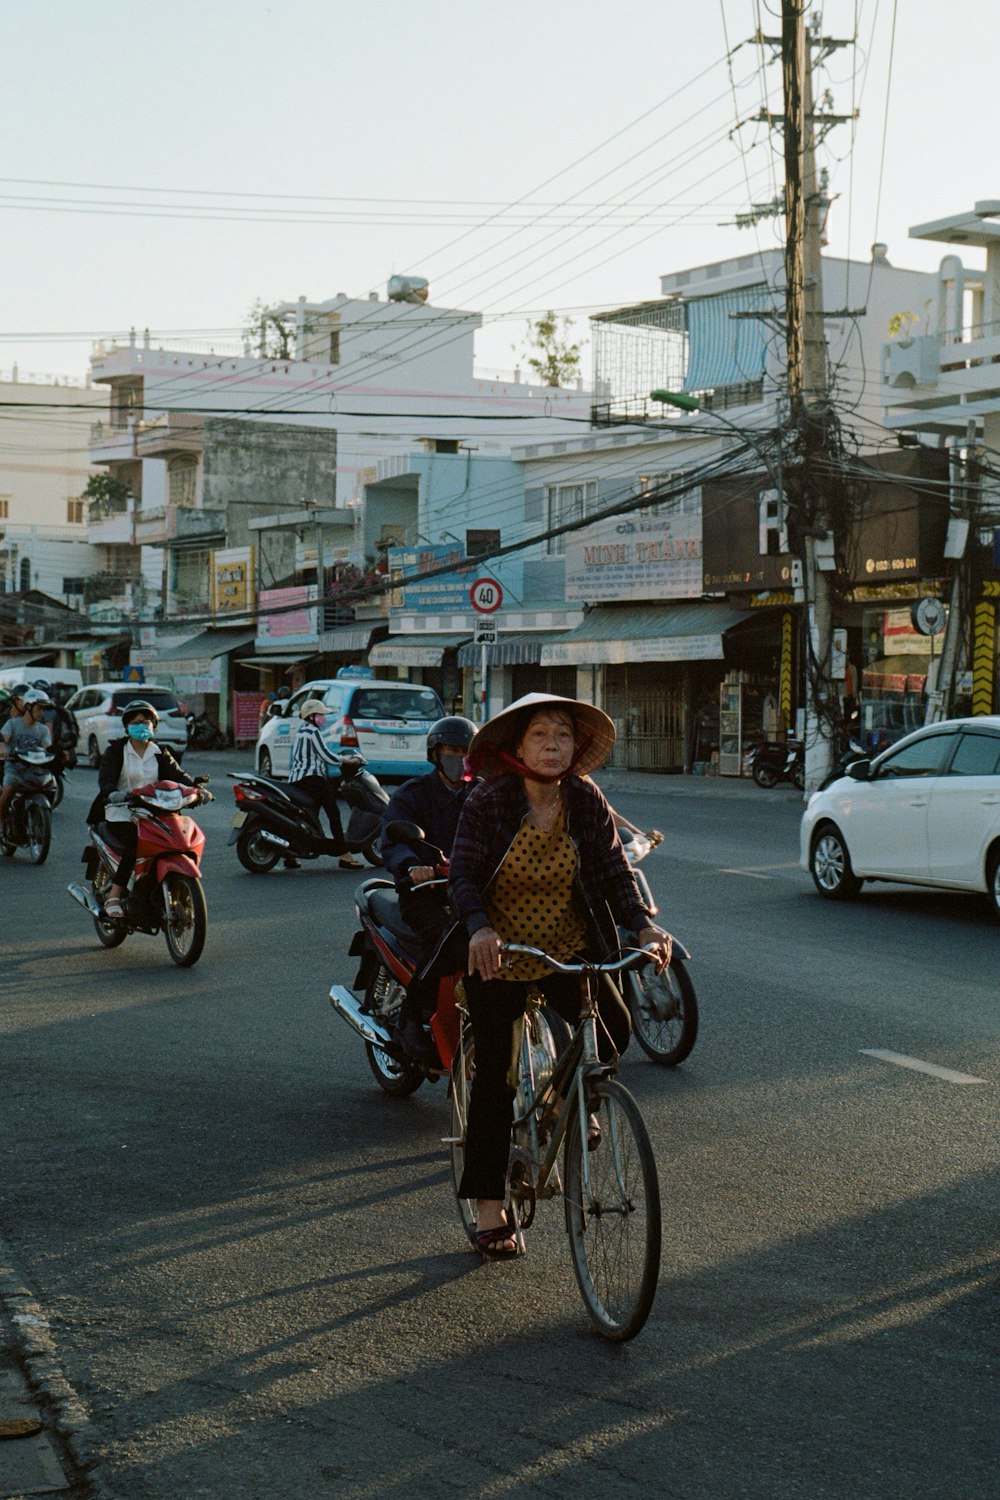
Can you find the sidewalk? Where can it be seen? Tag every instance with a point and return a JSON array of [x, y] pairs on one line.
[[44, 1430]]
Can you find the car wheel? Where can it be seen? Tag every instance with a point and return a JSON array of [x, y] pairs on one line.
[[830, 865], [993, 881], [264, 767]]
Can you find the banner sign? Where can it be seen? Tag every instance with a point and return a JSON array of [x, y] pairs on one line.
[[638, 556], [292, 627], [232, 580], [446, 594]]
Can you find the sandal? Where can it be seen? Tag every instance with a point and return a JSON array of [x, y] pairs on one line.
[[348, 862], [492, 1243], [113, 909]]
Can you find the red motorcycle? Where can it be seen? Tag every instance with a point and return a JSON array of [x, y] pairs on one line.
[[166, 894], [389, 952]]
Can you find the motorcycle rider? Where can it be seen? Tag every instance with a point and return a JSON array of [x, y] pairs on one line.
[[434, 801], [127, 764], [311, 760], [23, 731]]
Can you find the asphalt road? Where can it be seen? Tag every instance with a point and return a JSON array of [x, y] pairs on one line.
[[252, 1265]]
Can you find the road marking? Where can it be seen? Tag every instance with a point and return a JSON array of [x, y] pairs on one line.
[[755, 872], [902, 1061]]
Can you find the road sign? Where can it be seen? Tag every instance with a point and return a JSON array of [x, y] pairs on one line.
[[486, 595], [485, 631]]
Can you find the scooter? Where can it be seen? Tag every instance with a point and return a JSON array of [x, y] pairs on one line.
[[389, 952], [273, 819], [166, 894], [28, 821], [663, 1007], [203, 734], [771, 762]]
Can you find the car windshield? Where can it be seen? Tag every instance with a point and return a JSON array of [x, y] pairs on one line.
[[411, 703], [163, 702]]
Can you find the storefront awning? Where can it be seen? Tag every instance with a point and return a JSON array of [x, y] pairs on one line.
[[207, 645], [509, 651], [346, 638], [278, 659], [423, 650], [613, 634]]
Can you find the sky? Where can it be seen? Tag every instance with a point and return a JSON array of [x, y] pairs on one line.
[[166, 163]]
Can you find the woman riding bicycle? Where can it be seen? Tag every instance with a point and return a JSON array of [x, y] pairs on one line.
[[536, 860]]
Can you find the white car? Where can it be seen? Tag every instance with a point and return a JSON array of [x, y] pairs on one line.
[[98, 713], [924, 812], [387, 720]]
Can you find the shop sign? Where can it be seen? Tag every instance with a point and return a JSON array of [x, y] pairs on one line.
[[297, 623], [637, 556], [414, 594], [232, 580]]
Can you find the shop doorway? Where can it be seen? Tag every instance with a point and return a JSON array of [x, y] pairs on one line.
[[646, 702], [535, 679]]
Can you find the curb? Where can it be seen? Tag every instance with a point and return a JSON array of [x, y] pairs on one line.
[[26, 1332]]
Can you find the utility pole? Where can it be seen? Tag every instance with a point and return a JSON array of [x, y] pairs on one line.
[[941, 701], [807, 379]]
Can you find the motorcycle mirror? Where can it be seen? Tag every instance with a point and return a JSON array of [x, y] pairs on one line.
[[404, 833]]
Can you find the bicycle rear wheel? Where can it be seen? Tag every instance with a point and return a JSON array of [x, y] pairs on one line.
[[613, 1213]]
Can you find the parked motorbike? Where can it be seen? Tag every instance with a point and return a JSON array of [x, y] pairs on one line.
[[203, 734], [771, 762], [166, 894], [274, 819], [389, 952], [664, 1007], [28, 821]]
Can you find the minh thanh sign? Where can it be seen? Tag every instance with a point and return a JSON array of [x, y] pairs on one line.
[[643, 555]]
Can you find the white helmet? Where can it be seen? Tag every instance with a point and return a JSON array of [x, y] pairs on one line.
[[311, 706]]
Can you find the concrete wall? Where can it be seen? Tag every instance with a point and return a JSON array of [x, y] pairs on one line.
[[254, 469]]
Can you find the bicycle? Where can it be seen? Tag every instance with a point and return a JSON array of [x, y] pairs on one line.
[[611, 1191]]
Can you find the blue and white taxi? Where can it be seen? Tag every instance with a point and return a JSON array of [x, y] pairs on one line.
[[387, 720]]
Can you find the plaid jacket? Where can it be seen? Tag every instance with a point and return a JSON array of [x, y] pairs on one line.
[[493, 814]]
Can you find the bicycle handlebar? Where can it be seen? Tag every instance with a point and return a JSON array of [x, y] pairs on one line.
[[609, 966]]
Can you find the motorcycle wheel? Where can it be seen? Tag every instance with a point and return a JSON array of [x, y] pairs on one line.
[[185, 918], [664, 1012], [371, 854], [763, 775], [38, 831], [799, 777], [110, 934], [93, 752], [255, 853], [393, 1077], [56, 795]]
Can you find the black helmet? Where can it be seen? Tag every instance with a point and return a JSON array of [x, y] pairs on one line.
[[41, 685], [451, 731], [20, 690], [136, 707]]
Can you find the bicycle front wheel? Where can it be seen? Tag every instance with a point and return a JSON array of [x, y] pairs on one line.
[[613, 1213]]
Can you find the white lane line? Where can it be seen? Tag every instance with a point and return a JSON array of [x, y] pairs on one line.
[[902, 1061], [751, 874], [756, 872]]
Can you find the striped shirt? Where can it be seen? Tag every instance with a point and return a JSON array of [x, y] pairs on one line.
[[311, 755]]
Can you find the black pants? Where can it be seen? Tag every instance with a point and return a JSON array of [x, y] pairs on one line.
[[495, 1009], [324, 794], [429, 915], [126, 836]]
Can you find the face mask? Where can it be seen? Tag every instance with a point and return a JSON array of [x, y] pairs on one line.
[[451, 766], [319, 720], [141, 732]]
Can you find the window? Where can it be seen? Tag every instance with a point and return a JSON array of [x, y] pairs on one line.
[[4, 507], [377, 703], [925, 757], [334, 346], [568, 503], [183, 481], [74, 510], [977, 755], [72, 586], [25, 574]]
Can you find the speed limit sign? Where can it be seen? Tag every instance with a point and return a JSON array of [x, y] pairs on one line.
[[486, 595]]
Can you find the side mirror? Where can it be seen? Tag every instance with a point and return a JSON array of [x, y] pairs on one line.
[[859, 770], [404, 833]]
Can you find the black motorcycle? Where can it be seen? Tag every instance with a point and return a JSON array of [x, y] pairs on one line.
[[28, 823], [772, 761], [275, 820], [203, 734]]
